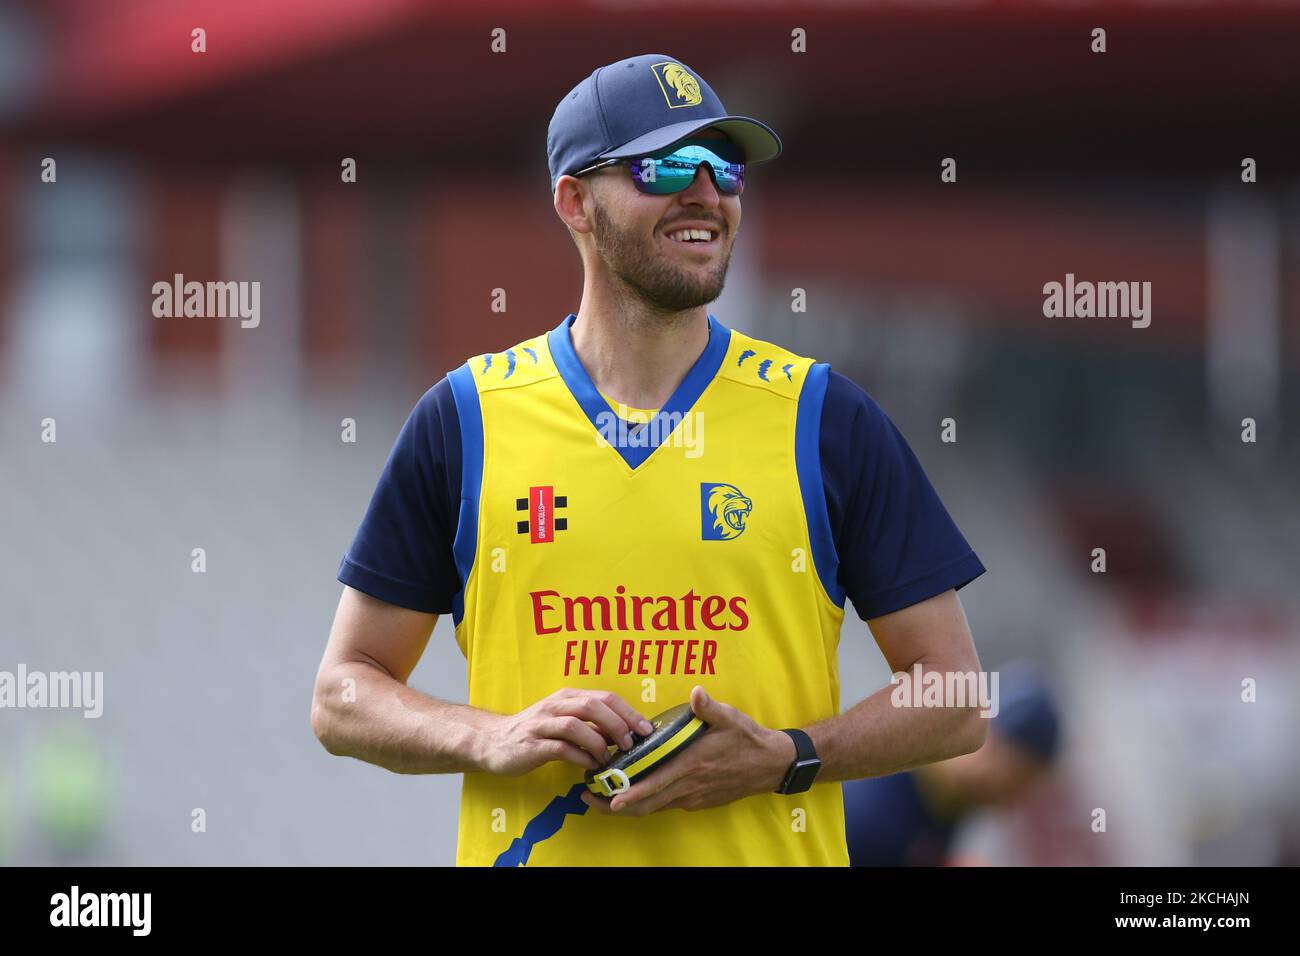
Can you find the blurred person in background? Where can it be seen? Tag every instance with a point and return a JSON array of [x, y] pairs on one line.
[[71, 788], [912, 818]]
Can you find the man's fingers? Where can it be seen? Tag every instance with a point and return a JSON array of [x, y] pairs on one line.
[[596, 802], [577, 731], [594, 709], [563, 750], [651, 802], [631, 716]]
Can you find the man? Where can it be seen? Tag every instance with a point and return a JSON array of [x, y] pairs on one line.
[[913, 818], [600, 572]]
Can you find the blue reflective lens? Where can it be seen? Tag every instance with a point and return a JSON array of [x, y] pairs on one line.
[[671, 172]]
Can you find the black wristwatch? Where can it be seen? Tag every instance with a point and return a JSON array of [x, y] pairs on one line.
[[806, 763]]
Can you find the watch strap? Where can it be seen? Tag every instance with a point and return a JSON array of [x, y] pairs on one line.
[[803, 745], [804, 750]]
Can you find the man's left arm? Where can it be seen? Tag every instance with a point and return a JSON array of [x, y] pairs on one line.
[[902, 560], [876, 737]]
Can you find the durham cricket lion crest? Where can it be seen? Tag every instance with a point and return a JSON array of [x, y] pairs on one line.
[[680, 88], [724, 510]]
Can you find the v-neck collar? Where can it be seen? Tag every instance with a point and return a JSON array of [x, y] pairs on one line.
[[679, 403]]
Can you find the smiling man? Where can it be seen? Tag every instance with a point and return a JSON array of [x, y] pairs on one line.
[[594, 583]]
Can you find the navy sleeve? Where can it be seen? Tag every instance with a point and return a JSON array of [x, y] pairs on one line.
[[402, 553], [896, 543]]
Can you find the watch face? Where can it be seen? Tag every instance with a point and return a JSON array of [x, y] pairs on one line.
[[805, 772]]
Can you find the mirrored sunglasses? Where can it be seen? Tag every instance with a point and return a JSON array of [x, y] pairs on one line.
[[670, 172]]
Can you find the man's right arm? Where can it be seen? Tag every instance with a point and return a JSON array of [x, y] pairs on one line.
[[363, 708], [399, 575]]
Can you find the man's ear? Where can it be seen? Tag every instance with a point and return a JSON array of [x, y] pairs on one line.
[[571, 205]]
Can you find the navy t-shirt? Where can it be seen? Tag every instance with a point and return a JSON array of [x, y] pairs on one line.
[[887, 823], [896, 543]]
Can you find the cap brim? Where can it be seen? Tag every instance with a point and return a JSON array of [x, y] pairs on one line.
[[758, 140]]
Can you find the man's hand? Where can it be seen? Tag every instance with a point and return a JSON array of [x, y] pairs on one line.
[[734, 758], [559, 727]]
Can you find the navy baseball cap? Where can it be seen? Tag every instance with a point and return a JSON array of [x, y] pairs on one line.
[[639, 106]]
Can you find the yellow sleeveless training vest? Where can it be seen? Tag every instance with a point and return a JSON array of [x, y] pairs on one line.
[[695, 549]]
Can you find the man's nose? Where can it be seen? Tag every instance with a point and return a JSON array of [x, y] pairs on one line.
[[704, 187]]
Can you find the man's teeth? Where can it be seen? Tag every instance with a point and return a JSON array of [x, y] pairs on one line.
[[686, 235]]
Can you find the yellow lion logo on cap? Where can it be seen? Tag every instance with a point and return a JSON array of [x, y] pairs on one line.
[[674, 77]]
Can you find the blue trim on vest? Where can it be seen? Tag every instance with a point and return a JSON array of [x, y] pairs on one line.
[[546, 824], [470, 416], [808, 465], [678, 404]]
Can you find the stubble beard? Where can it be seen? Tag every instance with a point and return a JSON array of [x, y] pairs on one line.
[[663, 285]]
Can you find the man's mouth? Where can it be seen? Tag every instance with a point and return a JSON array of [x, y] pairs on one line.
[[703, 239]]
